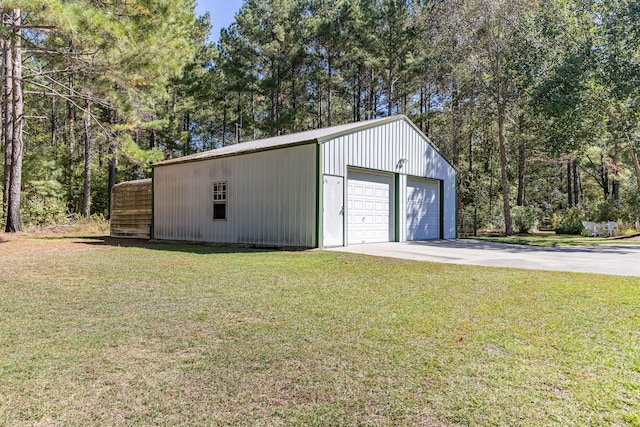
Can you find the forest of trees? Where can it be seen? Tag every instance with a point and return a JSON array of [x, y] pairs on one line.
[[536, 102]]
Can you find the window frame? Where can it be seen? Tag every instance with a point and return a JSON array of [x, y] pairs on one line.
[[220, 197]]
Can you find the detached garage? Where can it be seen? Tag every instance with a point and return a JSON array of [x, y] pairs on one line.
[[374, 181]]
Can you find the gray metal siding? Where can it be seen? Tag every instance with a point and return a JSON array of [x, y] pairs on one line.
[[402, 218], [381, 148], [270, 200], [423, 209]]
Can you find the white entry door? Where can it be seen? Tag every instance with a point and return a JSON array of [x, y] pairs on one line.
[[423, 209], [333, 214], [369, 201]]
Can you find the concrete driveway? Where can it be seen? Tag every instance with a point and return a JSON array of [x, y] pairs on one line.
[[621, 260]]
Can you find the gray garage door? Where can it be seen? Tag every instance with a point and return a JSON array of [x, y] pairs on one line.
[[423, 209], [369, 207]]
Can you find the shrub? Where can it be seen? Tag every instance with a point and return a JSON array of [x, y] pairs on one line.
[[569, 221], [525, 218], [39, 211], [571, 228]]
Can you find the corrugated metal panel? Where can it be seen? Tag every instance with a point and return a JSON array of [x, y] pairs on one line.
[[423, 209], [381, 148], [271, 199], [313, 135]]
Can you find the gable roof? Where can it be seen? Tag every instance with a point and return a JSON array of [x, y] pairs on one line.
[[317, 136]]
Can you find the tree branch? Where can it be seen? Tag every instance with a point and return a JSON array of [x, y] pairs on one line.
[[75, 104]]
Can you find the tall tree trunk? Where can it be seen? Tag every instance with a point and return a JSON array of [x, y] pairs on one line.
[[279, 127], [238, 121], [113, 159], [14, 222], [53, 122], [576, 184], [636, 165], [329, 88], [508, 226], [605, 178], [421, 108], [7, 106], [72, 203], [86, 200], [72, 119], [605, 183], [354, 109], [253, 116], [319, 98], [3, 41], [273, 100], [471, 156], [390, 94], [113, 170], [294, 103], [427, 128], [375, 105], [224, 123], [186, 125], [359, 97], [372, 107], [522, 171], [569, 185], [455, 123]]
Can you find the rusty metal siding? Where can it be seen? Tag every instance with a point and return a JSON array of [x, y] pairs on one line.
[[270, 199], [381, 148]]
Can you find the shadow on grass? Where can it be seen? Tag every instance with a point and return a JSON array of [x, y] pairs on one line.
[[201, 248]]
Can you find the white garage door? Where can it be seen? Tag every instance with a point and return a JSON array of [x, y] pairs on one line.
[[423, 209], [369, 207]]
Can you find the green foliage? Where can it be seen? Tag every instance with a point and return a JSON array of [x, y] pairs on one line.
[[565, 72], [630, 207], [138, 156], [570, 228], [39, 211], [525, 218], [99, 192], [569, 221], [41, 174], [43, 193], [110, 63]]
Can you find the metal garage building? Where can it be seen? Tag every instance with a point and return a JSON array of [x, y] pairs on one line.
[[373, 181]]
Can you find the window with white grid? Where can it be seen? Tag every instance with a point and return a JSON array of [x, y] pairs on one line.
[[219, 200]]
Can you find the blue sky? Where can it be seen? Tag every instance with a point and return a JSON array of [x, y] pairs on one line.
[[221, 11]]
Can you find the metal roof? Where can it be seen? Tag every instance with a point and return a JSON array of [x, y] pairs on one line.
[[145, 181], [306, 137]]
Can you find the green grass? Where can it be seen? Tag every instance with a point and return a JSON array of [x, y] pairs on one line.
[[194, 335], [553, 239]]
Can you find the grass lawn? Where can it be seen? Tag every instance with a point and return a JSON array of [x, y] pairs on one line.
[[94, 334], [544, 238]]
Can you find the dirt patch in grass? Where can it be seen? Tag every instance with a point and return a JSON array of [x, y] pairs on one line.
[[8, 237]]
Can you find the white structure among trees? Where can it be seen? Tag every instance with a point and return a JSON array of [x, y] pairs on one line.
[[373, 181]]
